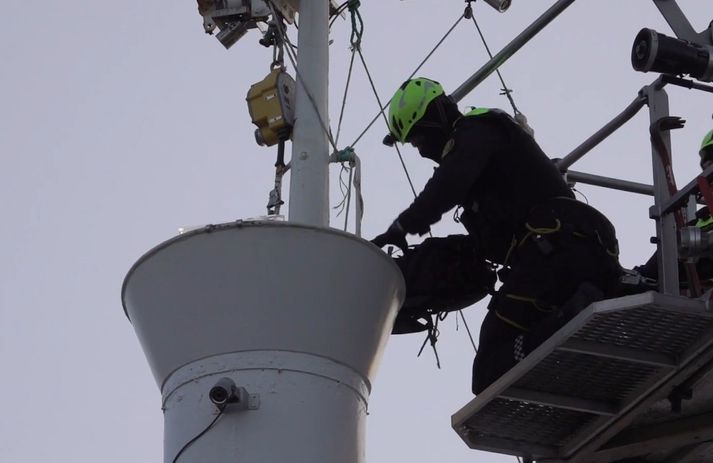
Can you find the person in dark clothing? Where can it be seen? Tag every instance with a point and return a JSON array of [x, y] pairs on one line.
[[518, 210], [702, 220]]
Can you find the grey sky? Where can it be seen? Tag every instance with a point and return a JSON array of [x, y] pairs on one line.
[[123, 122]]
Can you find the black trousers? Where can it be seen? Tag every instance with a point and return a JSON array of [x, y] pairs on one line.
[[547, 285]]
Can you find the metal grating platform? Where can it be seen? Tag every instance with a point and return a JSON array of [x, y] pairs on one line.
[[607, 379], [580, 391], [501, 418]]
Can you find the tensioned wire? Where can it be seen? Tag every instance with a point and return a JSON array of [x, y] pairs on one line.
[[383, 108], [356, 45], [346, 195], [378, 99], [325, 128], [356, 48], [357, 34], [293, 60], [505, 90]]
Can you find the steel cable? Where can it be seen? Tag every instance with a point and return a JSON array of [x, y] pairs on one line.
[[506, 91], [382, 108]]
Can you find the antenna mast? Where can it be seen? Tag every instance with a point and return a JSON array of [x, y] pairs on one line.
[[309, 182]]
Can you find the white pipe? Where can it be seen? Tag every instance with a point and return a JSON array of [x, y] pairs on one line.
[[309, 181]]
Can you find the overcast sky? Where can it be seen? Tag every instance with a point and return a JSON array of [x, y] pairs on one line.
[[122, 122]]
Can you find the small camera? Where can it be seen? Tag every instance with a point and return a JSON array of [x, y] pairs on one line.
[[655, 52], [224, 392]]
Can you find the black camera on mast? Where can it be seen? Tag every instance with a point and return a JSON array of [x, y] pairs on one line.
[[656, 52]]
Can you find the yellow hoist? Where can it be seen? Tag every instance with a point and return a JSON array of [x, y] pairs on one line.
[[271, 107]]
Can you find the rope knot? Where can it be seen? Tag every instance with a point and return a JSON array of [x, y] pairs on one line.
[[345, 155], [357, 23]]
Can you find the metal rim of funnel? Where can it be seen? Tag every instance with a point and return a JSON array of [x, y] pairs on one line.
[[238, 224]]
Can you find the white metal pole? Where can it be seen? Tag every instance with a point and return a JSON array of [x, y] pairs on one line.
[[309, 181]]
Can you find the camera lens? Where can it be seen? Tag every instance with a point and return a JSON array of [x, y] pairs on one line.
[[223, 392], [641, 52], [500, 5], [654, 52], [218, 395]]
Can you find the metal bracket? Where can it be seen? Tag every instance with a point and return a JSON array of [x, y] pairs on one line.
[[245, 401], [677, 20], [253, 401], [680, 25]]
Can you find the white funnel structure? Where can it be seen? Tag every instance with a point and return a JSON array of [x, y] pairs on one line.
[[296, 316]]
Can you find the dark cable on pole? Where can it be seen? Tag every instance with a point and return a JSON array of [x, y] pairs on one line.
[[200, 434]]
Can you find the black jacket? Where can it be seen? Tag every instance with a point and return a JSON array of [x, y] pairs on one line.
[[497, 173]]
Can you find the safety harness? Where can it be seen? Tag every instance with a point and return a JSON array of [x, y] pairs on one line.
[[558, 219]]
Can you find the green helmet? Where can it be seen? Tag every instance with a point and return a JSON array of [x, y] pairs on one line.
[[409, 105], [707, 142]]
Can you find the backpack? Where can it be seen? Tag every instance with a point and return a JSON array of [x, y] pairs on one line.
[[442, 275]]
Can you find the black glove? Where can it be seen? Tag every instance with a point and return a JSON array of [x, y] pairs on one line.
[[395, 235]]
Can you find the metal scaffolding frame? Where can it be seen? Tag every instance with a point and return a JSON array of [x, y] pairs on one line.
[[655, 97], [630, 377]]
